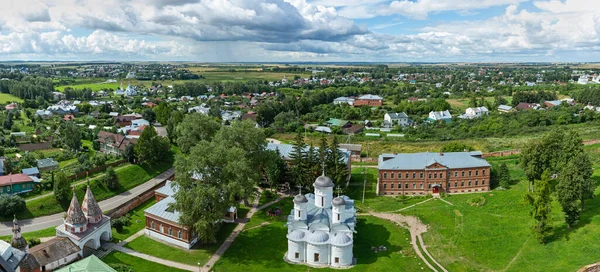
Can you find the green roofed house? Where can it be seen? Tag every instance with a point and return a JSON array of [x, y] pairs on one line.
[[91, 263], [47, 164], [333, 122]]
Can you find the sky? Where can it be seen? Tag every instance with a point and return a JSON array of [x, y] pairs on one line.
[[301, 30]]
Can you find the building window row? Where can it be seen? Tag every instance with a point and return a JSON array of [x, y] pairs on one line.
[[462, 183]]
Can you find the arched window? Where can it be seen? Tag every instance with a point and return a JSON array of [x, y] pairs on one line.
[[170, 231], [179, 234], [152, 225]]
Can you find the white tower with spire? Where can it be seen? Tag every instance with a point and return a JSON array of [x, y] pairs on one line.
[[323, 191], [337, 211]]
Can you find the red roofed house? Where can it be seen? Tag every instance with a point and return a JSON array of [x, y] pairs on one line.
[[11, 106], [69, 117], [16, 184]]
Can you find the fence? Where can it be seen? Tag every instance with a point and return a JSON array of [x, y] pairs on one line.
[[134, 202], [96, 170]]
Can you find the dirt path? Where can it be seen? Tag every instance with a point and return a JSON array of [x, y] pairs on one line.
[[240, 227], [416, 228], [516, 256]]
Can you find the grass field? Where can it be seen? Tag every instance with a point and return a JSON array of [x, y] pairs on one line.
[[372, 201], [137, 219], [200, 253], [497, 236], [49, 232], [136, 264], [375, 146], [7, 98], [268, 245]]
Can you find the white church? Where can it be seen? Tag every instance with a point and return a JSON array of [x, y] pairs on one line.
[[321, 228]]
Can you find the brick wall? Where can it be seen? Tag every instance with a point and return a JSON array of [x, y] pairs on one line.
[[131, 204]]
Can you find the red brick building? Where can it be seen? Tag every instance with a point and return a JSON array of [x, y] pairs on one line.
[[369, 100], [432, 173]]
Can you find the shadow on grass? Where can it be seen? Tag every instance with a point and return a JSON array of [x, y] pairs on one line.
[[592, 209], [372, 235]]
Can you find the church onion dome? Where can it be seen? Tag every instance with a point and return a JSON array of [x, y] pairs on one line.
[[300, 199], [338, 201], [75, 215], [318, 237], [341, 239], [323, 181], [89, 206], [296, 235]]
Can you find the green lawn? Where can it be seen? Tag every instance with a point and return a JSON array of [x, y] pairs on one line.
[[497, 236], [264, 199], [135, 263], [200, 253], [129, 177], [262, 249], [286, 205], [49, 232], [372, 201], [7, 98], [137, 219]]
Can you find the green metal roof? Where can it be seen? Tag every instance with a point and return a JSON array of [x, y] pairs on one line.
[[336, 122], [89, 264]]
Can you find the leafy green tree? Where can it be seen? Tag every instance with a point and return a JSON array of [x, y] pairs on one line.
[[456, 147], [194, 128], [504, 176], [121, 222], [541, 203], [11, 205], [223, 174], [163, 112], [244, 135], [569, 191], [70, 135], [62, 186], [274, 167], [150, 147], [110, 179], [129, 153], [172, 123], [149, 115]]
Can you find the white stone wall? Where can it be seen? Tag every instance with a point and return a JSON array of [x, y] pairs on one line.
[[323, 193], [296, 247], [322, 250], [343, 253], [170, 240]]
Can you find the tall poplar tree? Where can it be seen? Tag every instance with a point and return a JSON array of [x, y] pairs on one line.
[[541, 203]]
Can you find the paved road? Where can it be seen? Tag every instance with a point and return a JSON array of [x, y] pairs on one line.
[[48, 221]]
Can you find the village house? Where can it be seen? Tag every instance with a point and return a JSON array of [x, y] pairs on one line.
[[440, 116], [432, 173], [505, 109], [11, 107], [476, 112], [113, 143], [344, 100], [333, 122], [392, 118], [125, 120], [11, 257], [527, 106], [16, 184], [47, 164], [44, 114], [369, 100]]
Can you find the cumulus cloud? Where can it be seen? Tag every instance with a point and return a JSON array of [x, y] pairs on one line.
[[98, 43]]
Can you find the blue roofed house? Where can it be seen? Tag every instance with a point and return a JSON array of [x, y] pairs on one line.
[[32, 172]]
